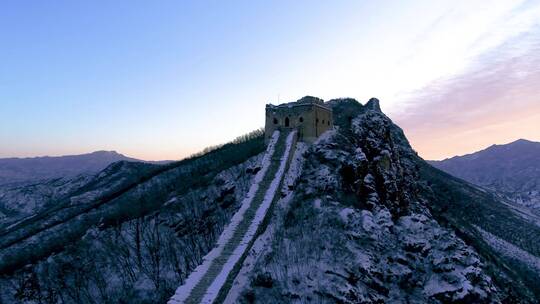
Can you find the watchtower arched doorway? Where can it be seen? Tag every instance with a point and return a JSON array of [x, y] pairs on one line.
[[286, 122]]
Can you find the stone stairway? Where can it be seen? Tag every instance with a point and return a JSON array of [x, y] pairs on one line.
[[212, 279]]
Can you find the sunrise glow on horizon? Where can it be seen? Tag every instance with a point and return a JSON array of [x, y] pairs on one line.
[[164, 81]]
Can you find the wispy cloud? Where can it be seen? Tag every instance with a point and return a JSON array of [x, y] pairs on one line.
[[497, 98]]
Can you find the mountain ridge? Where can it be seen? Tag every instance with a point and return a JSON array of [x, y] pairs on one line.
[[31, 169], [511, 170], [15, 170], [362, 219], [520, 141], [96, 152]]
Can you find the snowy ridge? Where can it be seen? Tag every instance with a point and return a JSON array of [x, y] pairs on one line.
[[523, 211], [260, 245], [184, 290], [510, 250], [219, 281]]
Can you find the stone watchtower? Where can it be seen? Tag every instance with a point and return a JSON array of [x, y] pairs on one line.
[[309, 115]]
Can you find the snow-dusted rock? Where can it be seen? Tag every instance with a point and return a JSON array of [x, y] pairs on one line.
[[369, 237]]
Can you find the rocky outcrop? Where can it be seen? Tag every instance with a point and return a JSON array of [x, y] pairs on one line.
[[373, 104], [359, 228]]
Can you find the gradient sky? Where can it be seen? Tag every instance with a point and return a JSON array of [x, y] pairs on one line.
[[161, 80]]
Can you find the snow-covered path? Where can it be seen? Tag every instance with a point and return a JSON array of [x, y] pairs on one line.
[[262, 242], [205, 282]]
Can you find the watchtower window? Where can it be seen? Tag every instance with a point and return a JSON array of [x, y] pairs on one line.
[[275, 121], [317, 120], [286, 121], [329, 122], [323, 121], [301, 119]]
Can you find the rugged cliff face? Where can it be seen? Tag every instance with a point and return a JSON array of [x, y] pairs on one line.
[[361, 219], [358, 230]]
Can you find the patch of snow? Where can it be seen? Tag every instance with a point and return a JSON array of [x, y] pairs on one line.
[[326, 136], [369, 179], [510, 250], [437, 286], [359, 155], [345, 213], [367, 221], [171, 201], [295, 167]]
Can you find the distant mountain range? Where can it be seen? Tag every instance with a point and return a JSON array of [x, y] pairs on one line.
[[16, 170], [29, 184], [512, 170]]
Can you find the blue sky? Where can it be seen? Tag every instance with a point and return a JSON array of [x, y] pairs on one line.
[[161, 80]]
